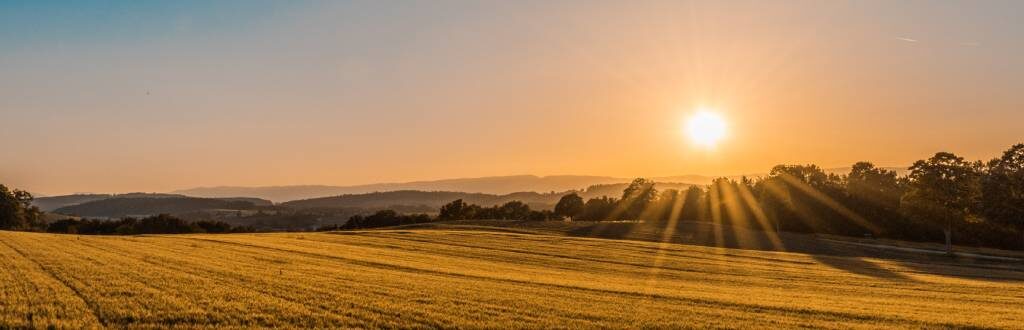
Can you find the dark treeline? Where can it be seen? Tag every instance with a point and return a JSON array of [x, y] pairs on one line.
[[982, 202], [513, 210], [382, 218], [159, 224], [456, 210]]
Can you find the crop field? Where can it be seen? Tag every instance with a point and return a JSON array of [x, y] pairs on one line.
[[478, 279]]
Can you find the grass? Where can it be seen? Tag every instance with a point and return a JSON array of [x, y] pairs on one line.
[[449, 278]]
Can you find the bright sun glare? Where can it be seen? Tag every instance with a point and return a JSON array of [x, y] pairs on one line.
[[705, 128]]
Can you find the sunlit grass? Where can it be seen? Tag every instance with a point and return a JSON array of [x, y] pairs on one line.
[[470, 279]]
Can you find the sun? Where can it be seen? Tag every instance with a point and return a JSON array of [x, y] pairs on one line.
[[705, 128]]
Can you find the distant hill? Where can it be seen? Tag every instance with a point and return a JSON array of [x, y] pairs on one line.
[[140, 206], [432, 199], [435, 199], [55, 202], [488, 185], [497, 185]]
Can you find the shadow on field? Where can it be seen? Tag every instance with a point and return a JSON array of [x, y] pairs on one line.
[[860, 266], [838, 255]]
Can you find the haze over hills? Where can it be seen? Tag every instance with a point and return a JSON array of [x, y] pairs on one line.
[[143, 206], [497, 185], [53, 203], [487, 185], [435, 199]]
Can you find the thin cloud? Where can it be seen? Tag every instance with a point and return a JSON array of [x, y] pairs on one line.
[[906, 39]]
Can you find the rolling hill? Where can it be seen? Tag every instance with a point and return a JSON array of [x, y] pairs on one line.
[[52, 203], [435, 199], [487, 185], [140, 206]]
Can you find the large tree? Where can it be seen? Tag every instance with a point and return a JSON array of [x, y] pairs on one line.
[[812, 197], [637, 197], [692, 204], [1003, 189], [570, 206], [16, 210], [942, 191], [875, 193], [456, 210], [597, 209]]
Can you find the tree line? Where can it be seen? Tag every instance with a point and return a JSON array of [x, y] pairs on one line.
[[982, 201], [158, 224], [456, 210]]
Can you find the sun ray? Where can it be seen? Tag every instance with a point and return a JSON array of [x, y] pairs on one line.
[[761, 217], [716, 215], [829, 202]]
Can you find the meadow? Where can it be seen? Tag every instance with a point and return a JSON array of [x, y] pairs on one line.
[[457, 278]]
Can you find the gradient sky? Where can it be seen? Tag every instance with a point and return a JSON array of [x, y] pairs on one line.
[[100, 96]]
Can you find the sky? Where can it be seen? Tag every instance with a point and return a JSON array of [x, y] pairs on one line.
[[121, 96]]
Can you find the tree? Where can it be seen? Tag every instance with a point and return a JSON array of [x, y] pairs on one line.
[[876, 193], [597, 209], [942, 191], [637, 197], [668, 206], [453, 211], [570, 206], [692, 204], [808, 194], [514, 210], [1003, 189], [16, 210]]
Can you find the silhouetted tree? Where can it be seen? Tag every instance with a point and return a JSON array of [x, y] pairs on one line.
[[514, 210], [1003, 189], [570, 206], [384, 218], [637, 198], [807, 194], [456, 210], [597, 209], [943, 190], [16, 210], [875, 193], [159, 224], [668, 204], [692, 204]]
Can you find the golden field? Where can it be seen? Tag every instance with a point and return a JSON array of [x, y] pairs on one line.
[[478, 279]]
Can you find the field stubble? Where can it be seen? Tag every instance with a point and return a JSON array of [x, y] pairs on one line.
[[475, 279]]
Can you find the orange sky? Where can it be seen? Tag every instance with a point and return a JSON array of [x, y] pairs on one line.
[[146, 98]]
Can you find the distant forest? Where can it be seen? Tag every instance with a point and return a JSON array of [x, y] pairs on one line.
[[942, 198]]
